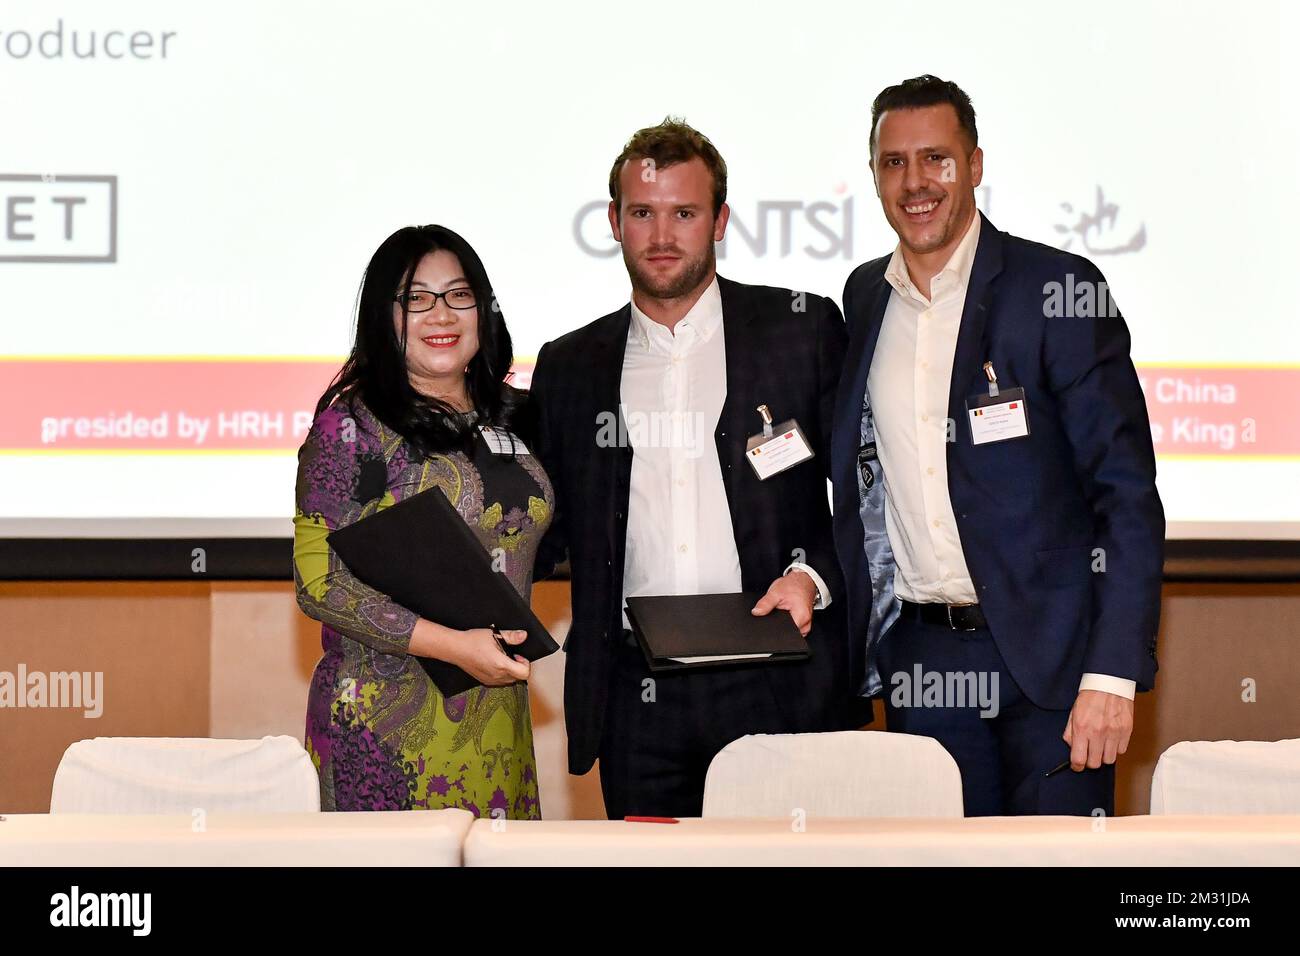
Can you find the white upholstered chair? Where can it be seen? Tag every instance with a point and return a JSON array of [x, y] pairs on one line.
[[1228, 777], [181, 775], [855, 773]]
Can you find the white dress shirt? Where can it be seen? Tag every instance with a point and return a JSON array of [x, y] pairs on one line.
[[910, 376], [674, 384]]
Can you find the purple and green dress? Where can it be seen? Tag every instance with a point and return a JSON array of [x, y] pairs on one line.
[[381, 735]]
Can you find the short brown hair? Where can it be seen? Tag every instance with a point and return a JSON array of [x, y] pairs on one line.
[[922, 91], [670, 143]]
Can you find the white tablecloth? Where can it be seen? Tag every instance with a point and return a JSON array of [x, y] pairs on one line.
[[397, 838], [435, 838], [983, 841]]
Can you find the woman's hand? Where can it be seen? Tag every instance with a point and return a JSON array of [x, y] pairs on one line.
[[479, 656], [473, 651]]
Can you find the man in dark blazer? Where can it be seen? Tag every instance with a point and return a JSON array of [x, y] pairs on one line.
[[645, 508], [996, 514]]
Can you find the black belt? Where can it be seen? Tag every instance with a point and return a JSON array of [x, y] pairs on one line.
[[957, 617]]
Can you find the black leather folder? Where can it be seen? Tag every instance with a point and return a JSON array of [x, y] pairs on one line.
[[422, 554], [677, 632]]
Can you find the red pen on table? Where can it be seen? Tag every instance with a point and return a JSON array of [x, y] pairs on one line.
[[650, 820]]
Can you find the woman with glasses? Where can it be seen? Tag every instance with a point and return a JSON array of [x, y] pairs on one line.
[[421, 403]]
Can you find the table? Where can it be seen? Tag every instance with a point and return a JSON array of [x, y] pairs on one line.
[[980, 841], [450, 837], [398, 838]]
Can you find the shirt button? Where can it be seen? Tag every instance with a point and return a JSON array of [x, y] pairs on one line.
[[925, 365], [681, 548], [929, 471], [936, 522], [681, 482], [925, 418]]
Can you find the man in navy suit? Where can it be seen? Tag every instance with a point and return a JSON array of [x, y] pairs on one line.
[[996, 514]]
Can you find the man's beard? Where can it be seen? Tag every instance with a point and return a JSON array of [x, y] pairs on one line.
[[692, 274], [948, 229]]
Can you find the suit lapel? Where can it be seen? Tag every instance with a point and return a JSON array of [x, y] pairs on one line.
[[970, 356], [607, 373], [853, 387], [739, 410], [871, 595], [607, 358]]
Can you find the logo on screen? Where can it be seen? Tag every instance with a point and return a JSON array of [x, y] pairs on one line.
[[53, 218], [774, 227], [1100, 230], [820, 229]]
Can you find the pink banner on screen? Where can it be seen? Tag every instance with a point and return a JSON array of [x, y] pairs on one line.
[[1223, 411], [163, 405], [202, 405]]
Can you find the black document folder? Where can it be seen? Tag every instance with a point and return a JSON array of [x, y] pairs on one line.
[[710, 630], [422, 554]]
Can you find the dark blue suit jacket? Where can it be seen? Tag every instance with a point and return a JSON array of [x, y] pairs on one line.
[[1031, 512]]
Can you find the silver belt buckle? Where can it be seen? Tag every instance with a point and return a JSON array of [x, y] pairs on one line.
[[953, 626]]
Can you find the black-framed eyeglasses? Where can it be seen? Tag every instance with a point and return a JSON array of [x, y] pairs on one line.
[[420, 300]]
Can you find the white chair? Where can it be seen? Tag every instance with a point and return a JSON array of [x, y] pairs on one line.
[[182, 774], [853, 773], [1228, 777]]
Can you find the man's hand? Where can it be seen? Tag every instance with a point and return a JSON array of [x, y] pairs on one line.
[[1099, 728], [795, 593]]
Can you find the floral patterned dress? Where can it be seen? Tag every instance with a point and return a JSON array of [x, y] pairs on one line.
[[382, 736]]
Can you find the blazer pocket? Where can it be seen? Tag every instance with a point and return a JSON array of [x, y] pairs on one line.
[[1061, 567]]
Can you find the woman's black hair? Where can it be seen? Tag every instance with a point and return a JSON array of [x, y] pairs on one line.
[[376, 370]]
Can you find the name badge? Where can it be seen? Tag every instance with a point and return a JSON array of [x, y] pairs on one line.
[[999, 417], [502, 442], [778, 448]]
